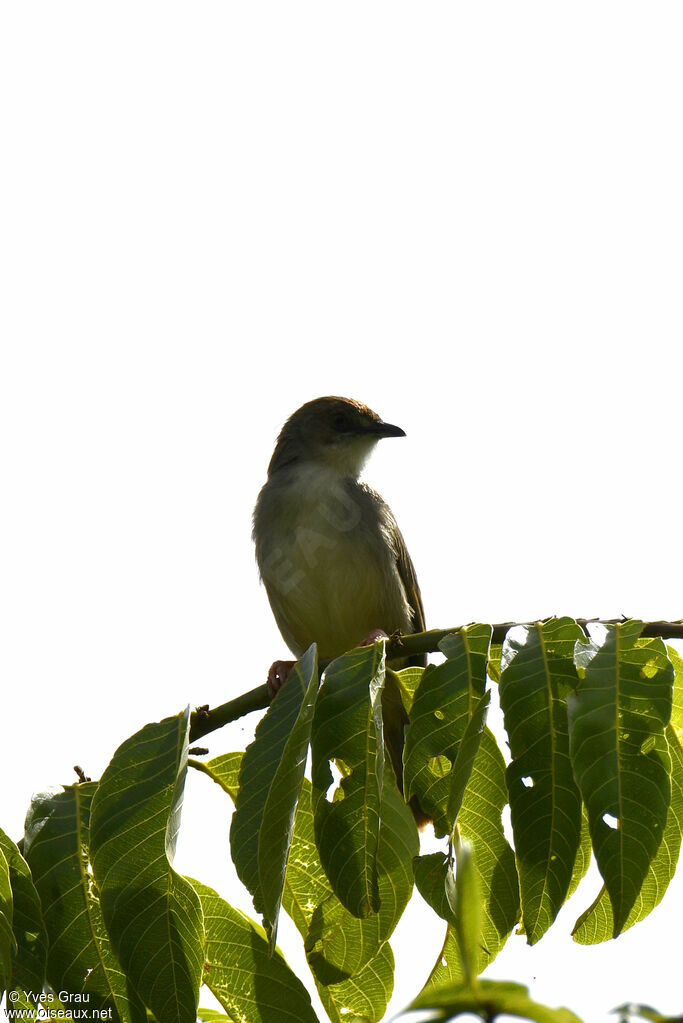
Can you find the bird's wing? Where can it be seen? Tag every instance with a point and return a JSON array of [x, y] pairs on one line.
[[404, 564], [406, 571], [395, 716]]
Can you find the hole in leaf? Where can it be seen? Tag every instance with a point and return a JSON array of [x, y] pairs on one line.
[[506, 820], [440, 766], [444, 961], [528, 782], [610, 821], [335, 792]]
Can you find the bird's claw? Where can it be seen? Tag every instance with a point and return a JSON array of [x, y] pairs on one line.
[[373, 636], [278, 673]]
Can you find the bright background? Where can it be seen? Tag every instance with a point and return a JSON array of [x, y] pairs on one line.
[[468, 216]]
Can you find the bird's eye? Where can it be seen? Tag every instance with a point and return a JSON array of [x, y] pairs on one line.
[[341, 423]]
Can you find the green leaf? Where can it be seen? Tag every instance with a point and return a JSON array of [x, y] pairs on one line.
[[537, 675], [361, 975], [338, 944], [260, 766], [407, 681], [363, 997], [465, 757], [347, 727], [223, 769], [275, 833], [493, 663], [583, 856], [448, 966], [30, 938], [444, 703], [646, 1012], [431, 871], [153, 915], [464, 900], [80, 955], [490, 998], [677, 703], [7, 943], [619, 750], [596, 924], [480, 822], [249, 982]]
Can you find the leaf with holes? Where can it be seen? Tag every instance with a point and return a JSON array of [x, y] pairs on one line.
[[358, 969], [537, 675], [80, 957], [618, 746], [364, 998], [339, 945], [479, 821], [347, 727], [249, 982], [444, 703], [153, 915], [465, 757], [343, 948], [365, 995], [597, 922]]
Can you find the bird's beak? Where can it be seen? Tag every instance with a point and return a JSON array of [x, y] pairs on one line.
[[387, 430]]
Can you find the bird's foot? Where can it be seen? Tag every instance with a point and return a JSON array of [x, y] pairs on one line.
[[278, 673], [373, 636]]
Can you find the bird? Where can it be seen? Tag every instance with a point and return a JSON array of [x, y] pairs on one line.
[[334, 564]]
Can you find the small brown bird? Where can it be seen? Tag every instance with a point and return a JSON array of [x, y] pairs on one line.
[[335, 566]]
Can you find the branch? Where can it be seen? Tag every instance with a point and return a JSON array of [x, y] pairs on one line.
[[204, 720], [428, 642]]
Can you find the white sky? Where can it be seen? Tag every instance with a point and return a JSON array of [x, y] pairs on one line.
[[468, 216]]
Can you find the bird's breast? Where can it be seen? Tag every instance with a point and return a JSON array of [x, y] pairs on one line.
[[325, 553]]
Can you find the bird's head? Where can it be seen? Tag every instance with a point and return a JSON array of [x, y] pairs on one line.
[[338, 433]]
